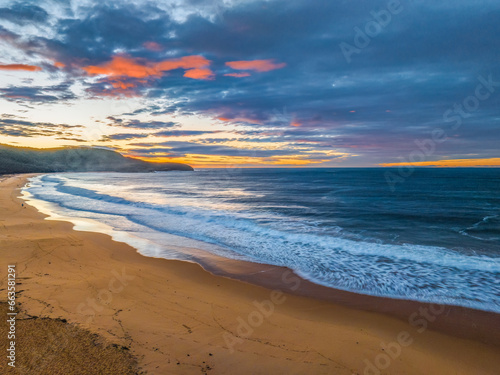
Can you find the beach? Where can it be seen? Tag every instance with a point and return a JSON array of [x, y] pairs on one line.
[[178, 318]]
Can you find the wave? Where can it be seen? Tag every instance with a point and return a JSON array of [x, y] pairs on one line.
[[407, 271]]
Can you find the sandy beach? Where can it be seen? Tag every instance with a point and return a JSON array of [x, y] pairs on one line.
[[179, 318]]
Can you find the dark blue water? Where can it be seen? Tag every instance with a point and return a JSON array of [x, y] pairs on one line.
[[436, 237]]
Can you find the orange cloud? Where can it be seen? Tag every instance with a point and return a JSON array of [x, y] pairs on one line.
[[199, 74], [256, 65], [119, 84], [124, 66], [30, 68], [295, 123], [125, 73], [58, 64], [491, 162], [238, 75], [186, 62]]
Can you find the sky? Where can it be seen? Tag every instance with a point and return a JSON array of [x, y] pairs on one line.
[[222, 83]]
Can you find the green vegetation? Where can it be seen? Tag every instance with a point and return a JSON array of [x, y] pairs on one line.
[[75, 159]]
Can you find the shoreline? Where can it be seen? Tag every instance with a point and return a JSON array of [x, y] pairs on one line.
[[316, 309], [461, 321]]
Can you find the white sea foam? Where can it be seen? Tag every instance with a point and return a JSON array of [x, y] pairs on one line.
[[408, 271]]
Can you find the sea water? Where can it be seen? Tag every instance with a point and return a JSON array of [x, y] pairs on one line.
[[435, 238]]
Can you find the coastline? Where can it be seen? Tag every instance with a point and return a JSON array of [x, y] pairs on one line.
[[167, 309]]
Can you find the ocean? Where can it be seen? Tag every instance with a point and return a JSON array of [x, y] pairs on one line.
[[434, 238]]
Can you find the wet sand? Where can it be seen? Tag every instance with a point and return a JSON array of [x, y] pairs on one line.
[[178, 318]]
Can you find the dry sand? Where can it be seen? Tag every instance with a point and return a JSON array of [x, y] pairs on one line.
[[177, 318]]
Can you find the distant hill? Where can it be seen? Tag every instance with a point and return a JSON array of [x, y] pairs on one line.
[[75, 159]]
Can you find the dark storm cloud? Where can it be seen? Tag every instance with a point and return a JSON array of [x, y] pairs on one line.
[[106, 27], [426, 59], [22, 13], [393, 91]]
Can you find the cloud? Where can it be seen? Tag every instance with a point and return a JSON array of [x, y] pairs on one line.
[[22, 13], [15, 127], [72, 139], [122, 68], [125, 74], [256, 65], [238, 75], [153, 46], [186, 61], [183, 133], [29, 68], [137, 124], [38, 94], [199, 73], [181, 149], [123, 137]]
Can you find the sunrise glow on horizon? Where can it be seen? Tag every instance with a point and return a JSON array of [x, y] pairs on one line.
[[252, 83]]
